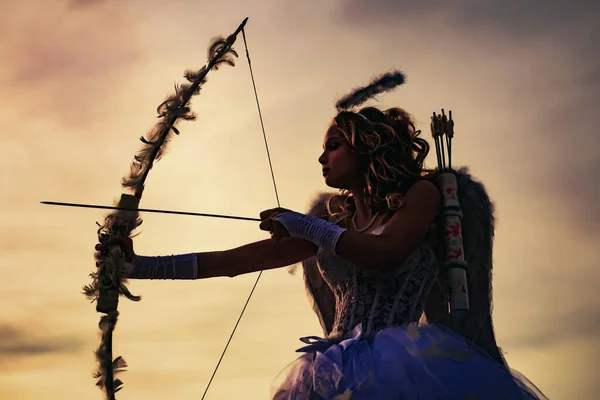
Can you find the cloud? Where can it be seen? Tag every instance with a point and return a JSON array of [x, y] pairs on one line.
[[584, 322], [64, 63], [18, 342], [515, 17], [86, 3]]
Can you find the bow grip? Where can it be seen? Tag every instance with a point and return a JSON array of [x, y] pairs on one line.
[[108, 290], [129, 201]]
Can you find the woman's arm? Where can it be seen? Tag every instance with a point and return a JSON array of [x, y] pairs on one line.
[[257, 256], [382, 253], [403, 233]]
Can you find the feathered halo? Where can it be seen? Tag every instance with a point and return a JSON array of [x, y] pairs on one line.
[[383, 83]]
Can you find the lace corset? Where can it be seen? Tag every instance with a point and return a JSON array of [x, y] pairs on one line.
[[375, 300]]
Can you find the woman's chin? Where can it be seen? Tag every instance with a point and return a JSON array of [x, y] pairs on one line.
[[332, 183]]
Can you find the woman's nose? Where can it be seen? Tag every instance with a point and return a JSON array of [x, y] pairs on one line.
[[322, 159]]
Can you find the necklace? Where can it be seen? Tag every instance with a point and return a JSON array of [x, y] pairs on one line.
[[368, 225]]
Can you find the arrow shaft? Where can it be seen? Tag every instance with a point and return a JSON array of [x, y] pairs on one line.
[[150, 210]]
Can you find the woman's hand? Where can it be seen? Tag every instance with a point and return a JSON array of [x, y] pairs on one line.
[[124, 243], [275, 228]]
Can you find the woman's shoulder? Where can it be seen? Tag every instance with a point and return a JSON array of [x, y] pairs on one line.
[[423, 188], [425, 191], [422, 197], [409, 182]]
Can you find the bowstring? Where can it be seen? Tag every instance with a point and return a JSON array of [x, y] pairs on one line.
[[262, 125]]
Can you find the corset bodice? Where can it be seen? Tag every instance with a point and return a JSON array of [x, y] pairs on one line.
[[374, 299]]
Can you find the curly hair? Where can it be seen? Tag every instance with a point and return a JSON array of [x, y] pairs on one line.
[[395, 152]]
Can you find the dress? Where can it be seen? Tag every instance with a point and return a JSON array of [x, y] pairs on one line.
[[377, 349]]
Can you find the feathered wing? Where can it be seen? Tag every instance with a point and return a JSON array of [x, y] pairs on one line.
[[319, 294], [478, 236]]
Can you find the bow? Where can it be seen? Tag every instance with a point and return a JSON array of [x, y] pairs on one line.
[[108, 282]]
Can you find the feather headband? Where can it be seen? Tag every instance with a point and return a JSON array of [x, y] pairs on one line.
[[380, 84]]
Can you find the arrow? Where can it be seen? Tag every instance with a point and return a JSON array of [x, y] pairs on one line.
[[54, 203]]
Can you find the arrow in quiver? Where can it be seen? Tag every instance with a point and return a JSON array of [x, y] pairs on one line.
[[453, 262]]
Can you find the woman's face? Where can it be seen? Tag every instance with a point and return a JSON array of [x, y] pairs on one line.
[[343, 168]]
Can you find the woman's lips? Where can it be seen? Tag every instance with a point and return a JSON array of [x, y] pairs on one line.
[[325, 171]]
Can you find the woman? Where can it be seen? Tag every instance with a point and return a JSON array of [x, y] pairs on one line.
[[375, 271]]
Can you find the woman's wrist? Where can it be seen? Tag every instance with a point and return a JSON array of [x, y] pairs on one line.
[[322, 233]]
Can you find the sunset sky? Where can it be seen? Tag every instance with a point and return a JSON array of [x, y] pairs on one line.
[[80, 82]]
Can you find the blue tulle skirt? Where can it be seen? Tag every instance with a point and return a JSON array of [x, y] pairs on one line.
[[411, 362]]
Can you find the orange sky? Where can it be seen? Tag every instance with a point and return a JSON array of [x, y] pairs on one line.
[[80, 82]]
